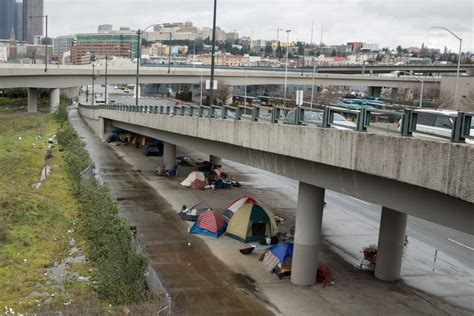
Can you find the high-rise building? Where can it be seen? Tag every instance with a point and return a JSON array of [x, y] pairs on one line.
[[105, 28], [62, 44], [100, 45], [7, 18], [19, 21], [32, 26]]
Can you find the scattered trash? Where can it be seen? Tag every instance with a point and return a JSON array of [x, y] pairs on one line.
[[324, 275], [370, 255]]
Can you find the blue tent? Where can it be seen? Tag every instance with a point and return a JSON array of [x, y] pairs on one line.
[[195, 229], [282, 250]]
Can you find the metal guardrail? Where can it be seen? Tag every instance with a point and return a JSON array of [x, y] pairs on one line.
[[406, 122]]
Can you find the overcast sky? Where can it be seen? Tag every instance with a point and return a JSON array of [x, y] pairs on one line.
[[386, 22]]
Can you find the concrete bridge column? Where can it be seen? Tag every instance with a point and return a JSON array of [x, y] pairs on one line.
[[394, 93], [309, 217], [53, 100], [214, 160], [375, 91], [32, 100], [390, 246], [169, 156]]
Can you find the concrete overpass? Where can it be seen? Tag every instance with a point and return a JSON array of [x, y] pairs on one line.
[[428, 179], [351, 69]]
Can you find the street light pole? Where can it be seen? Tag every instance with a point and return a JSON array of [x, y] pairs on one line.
[[213, 52], [93, 83], [422, 86], [456, 98], [46, 43], [106, 74], [312, 89], [137, 83], [169, 55], [139, 55], [286, 64]]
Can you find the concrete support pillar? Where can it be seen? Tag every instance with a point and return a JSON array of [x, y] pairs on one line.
[[375, 91], [32, 100], [309, 217], [169, 156], [394, 93], [390, 246], [214, 160], [53, 100]]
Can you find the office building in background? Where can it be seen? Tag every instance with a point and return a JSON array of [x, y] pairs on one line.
[[32, 27]]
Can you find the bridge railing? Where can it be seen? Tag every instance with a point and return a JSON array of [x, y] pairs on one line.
[[455, 126]]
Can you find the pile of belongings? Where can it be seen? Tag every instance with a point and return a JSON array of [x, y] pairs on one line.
[[154, 149], [209, 223], [251, 222], [191, 214], [277, 259], [117, 135], [195, 180]]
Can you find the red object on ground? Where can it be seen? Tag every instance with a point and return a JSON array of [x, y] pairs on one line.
[[324, 275]]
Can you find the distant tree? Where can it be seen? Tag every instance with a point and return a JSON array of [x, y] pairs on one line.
[[333, 53], [228, 46], [223, 92], [300, 50], [399, 50], [268, 50], [279, 51], [207, 41], [48, 40], [199, 45]]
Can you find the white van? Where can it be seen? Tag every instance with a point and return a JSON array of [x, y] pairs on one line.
[[439, 123]]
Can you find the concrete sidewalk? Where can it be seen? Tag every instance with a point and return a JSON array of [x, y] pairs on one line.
[[354, 292]]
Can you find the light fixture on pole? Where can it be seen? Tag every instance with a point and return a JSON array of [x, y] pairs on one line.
[[422, 86], [456, 98], [286, 64], [46, 42], [137, 83]]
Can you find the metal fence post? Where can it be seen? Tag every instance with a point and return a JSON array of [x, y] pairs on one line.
[[361, 118], [405, 123], [326, 116], [457, 132], [255, 113], [224, 112], [238, 113], [275, 115], [201, 111]]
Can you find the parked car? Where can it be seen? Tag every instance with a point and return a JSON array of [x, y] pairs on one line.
[[438, 123], [316, 119]]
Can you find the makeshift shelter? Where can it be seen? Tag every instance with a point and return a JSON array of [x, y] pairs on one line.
[[251, 222], [153, 150], [209, 223], [236, 204], [192, 213], [278, 258], [196, 180]]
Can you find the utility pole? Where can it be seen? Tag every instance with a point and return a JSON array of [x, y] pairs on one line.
[[286, 64], [312, 31], [106, 74], [213, 52], [322, 32]]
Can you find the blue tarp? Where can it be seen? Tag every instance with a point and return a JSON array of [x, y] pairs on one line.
[[282, 250], [197, 230]]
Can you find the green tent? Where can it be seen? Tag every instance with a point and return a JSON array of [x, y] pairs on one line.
[[252, 222]]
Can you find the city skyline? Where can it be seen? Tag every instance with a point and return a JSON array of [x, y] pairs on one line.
[[398, 23]]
